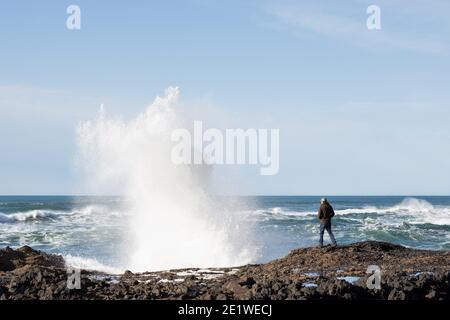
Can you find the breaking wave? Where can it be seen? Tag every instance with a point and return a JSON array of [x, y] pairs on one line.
[[45, 214], [90, 264], [418, 211]]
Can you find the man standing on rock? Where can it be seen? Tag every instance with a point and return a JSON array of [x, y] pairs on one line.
[[325, 214]]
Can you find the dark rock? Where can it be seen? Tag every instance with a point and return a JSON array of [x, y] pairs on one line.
[[30, 274], [397, 294], [248, 282], [432, 295], [128, 274], [25, 256], [239, 291]]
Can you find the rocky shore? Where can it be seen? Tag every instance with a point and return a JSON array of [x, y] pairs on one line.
[[304, 274]]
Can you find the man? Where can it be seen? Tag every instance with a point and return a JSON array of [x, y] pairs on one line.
[[325, 214]]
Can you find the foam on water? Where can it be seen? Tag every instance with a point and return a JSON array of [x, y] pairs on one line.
[[90, 264], [98, 233], [417, 211], [423, 211], [41, 214]]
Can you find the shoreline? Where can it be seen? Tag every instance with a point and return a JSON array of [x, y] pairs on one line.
[[304, 274]]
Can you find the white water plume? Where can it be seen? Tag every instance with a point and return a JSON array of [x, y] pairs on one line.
[[173, 222]]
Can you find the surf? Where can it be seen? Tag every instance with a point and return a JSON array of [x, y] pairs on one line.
[[172, 221]]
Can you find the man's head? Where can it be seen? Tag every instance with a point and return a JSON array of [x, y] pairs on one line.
[[323, 200]]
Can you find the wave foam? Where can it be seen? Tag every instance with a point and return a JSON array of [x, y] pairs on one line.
[[89, 264], [423, 212], [415, 211], [42, 214]]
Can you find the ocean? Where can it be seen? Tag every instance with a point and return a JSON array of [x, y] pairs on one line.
[[94, 233]]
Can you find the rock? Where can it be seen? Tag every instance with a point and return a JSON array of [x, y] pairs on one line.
[[248, 282], [26, 273], [127, 274], [397, 294], [239, 292], [25, 256], [432, 295], [221, 297]]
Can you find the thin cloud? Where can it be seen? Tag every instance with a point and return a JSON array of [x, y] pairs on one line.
[[301, 18]]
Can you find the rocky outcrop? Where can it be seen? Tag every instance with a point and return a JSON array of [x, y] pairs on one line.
[[305, 274], [25, 256]]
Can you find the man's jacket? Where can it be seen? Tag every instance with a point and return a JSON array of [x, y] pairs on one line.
[[325, 213]]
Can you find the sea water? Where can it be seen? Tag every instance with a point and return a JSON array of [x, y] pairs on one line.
[[93, 232]]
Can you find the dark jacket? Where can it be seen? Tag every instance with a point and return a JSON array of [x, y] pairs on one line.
[[326, 212]]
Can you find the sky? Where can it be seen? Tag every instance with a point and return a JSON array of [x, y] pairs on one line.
[[360, 112]]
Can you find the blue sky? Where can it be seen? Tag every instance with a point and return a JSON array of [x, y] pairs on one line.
[[360, 112]]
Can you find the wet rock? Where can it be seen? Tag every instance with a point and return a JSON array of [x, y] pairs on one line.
[[304, 274], [247, 281], [397, 294], [239, 291], [127, 274], [432, 295], [25, 256]]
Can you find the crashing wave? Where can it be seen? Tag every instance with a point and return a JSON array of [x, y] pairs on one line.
[[415, 211], [44, 214]]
